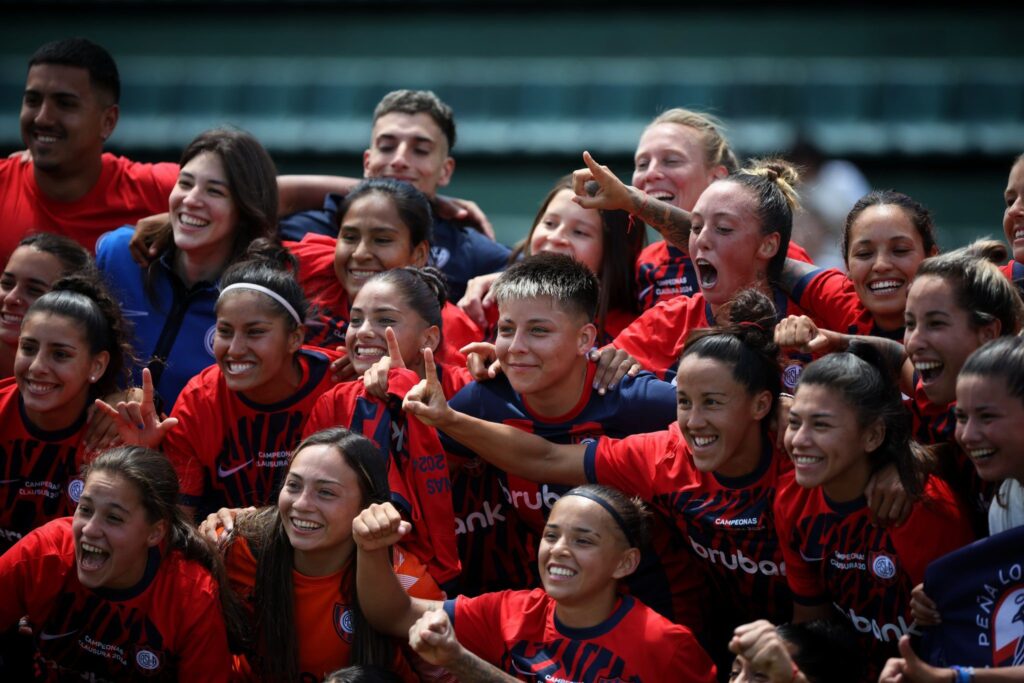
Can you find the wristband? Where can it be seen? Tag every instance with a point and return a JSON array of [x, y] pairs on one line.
[[964, 674]]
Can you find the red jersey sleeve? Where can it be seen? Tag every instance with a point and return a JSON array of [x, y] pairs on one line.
[[45, 553], [477, 623], [636, 463], [795, 251], [829, 297], [918, 541]]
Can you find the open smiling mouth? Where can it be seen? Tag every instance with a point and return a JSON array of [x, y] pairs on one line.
[[706, 273]]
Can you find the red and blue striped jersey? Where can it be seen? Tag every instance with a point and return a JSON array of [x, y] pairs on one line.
[[39, 469], [168, 627], [728, 523], [232, 452], [835, 555], [519, 632]]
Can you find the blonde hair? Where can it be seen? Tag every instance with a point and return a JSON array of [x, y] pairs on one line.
[[716, 148]]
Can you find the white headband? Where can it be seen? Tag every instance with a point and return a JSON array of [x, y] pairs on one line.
[[269, 292]]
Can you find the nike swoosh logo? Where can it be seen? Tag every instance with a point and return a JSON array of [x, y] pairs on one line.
[[221, 472], [810, 559], [55, 636], [132, 313]]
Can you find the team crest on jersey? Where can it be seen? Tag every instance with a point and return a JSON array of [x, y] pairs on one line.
[[883, 565], [147, 660], [1008, 629], [343, 625], [208, 339], [75, 488], [791, 375]]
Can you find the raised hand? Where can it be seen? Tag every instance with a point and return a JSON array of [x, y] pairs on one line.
[[765, 652], [612, 365], [481, 360], [478, 298], [426, 400], [375, 379], [378, 526], [152, 235], [433, 638], [138, 423], [612, 193], [800, 332]]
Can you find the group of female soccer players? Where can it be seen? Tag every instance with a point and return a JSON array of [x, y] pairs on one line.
[[608, 462]]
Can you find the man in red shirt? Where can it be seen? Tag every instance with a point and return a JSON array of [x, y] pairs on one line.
[[69, 109]]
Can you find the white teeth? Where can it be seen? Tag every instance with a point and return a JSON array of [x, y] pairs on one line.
[[370, 351], [193, 221], [927, 365], [304, 525], [806, 460], [1018, 234], [885, 285], [48, 139], [11, 318], [38, 388], [702, 441], [561, 571], [663, 196], [363, 274], [978, 453], [90, 548], [236, 368]]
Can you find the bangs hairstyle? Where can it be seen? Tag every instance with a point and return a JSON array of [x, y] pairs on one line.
[[251, 178], [412, 206], [277, 652], [746, 343], [772, 182], [868, 387], [416, 102], [978, 285], [620, 246], [569, 284]]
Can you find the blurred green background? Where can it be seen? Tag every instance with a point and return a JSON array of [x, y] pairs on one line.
[[927, 102]]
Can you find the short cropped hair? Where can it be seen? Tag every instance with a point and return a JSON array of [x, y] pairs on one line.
[[416, 102], [570, 284], [84, 54]]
